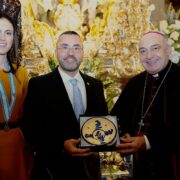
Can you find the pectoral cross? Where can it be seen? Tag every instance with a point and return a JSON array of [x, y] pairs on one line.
[[141, 123]]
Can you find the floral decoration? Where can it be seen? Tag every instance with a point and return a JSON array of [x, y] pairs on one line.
[[171, 27]]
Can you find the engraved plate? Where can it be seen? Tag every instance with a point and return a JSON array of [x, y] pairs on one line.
[[99, 132]]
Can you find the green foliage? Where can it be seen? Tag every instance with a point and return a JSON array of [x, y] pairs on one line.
[[111, 82], [52, 62]]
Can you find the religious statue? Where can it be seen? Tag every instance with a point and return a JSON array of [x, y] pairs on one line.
[[68, 16]]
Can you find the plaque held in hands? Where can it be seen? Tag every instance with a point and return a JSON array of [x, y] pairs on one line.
[[100, 133]]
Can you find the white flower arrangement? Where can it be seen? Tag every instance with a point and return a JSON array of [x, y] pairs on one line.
[[173, 32]]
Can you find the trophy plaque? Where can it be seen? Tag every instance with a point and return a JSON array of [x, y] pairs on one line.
[[100, 133]]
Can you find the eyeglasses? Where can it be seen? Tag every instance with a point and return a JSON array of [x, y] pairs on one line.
[[75, 49], [153, 49]]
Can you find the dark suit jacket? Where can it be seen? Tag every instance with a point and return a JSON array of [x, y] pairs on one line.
[[49, 119]]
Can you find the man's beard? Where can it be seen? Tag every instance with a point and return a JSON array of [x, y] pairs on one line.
[[66, 67]]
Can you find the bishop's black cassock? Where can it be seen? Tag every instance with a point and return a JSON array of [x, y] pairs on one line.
[[161, 123]]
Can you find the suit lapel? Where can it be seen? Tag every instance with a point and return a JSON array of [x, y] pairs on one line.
[[88, 86], [61, 88]]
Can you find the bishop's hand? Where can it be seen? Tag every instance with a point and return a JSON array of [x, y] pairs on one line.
[[130, 145]]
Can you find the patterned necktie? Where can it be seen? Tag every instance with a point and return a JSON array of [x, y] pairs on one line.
[[77, 99]]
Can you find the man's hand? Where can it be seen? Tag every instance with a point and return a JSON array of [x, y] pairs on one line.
[[129, 145], [71, 146]]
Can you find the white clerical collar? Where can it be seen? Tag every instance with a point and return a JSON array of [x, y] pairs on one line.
[[155, 75]]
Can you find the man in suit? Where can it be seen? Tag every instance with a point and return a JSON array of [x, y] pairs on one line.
[[148, 112], [50, 125]]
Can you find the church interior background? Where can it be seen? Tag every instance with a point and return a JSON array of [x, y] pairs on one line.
[[110, 30]]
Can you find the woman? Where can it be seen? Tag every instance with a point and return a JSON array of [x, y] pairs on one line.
[[13, 87]]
